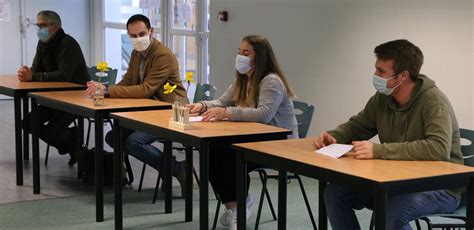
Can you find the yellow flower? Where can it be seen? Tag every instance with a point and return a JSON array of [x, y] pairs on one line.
[[189, 77], [168, 88], [102, 66]]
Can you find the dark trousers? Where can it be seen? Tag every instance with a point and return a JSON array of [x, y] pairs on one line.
[[54, 129], [223, 172], [109, 137]]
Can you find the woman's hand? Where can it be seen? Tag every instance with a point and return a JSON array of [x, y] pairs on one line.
[[214, 114], [195, 108]]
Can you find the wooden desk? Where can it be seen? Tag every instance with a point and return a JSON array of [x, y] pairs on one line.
[[81, 104], [386, 178], [11, 86], [201, 136]]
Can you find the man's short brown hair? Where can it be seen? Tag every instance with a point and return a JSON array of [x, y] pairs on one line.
[[405, 55]]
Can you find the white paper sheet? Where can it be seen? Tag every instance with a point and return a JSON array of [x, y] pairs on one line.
[[334, 150], [195, 119]]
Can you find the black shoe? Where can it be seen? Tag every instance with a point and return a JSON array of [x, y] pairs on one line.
[[73, 160]]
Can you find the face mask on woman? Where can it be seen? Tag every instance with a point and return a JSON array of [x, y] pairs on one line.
[[242, 64], [141, 43]]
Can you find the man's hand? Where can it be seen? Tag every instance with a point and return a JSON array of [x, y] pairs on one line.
[[25, 74], [214, 114], [92, 87], [324, 140], [362, 150]]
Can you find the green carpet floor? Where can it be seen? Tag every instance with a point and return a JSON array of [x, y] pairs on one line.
[[139, 213]]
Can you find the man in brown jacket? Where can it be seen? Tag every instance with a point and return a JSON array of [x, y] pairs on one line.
[[151, 66]]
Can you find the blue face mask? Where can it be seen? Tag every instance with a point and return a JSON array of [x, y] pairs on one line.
[[380, 84], [43, 34]]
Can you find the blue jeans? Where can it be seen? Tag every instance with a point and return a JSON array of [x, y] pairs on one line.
[[341, 201], [138, 144]]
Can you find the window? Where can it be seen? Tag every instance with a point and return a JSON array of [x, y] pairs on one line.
[[179, 24]]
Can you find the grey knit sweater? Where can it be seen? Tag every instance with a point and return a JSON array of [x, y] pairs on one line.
[[274, 107]]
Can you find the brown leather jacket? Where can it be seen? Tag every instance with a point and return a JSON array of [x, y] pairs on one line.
[[160, 67]]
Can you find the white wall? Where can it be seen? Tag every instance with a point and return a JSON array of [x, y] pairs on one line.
[[10, 41], [325, 47], [75, 21]]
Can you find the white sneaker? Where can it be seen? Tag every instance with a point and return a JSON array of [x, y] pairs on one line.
[[226, 221], [232, 218]]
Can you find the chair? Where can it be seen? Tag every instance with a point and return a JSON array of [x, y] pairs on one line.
[[304, 114], [460, 213], [203, 92], [108, 80]]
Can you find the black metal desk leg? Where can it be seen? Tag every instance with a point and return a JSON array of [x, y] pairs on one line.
[[282, 180], [80, 132], [35, 126], [18, 145], [80, 142], [118, 155], [26, 135], [188, 216], [241, 191], [380, 208], [99, 174], [470, 206], [167, 179], [204, 185], [323, 218]]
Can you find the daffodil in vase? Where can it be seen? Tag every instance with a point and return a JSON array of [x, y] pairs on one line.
[[189, 79], [99, 91], [168, 89], [180, 113]]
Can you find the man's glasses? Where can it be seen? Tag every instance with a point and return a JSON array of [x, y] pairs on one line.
[[42, 25]]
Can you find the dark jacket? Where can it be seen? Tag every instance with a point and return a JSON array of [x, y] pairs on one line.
[[60, 59]]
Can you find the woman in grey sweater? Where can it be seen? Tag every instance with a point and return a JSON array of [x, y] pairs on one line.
[[260, 93]]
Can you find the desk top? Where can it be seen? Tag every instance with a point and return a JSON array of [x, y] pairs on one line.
[[11, 83], [303, 151], [80, 98], [160, 118]]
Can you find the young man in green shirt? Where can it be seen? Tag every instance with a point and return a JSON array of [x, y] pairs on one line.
[[414, 121]]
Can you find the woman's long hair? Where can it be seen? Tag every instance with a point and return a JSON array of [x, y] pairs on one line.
[[265, 63]]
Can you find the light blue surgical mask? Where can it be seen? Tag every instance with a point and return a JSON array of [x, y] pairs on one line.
[[380, 84], [242, 64], [43, 34]]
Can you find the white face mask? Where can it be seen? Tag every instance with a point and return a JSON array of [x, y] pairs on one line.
[[141, 43], [242, 64]]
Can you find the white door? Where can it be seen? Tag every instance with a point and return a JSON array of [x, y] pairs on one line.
[[75, 22]]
